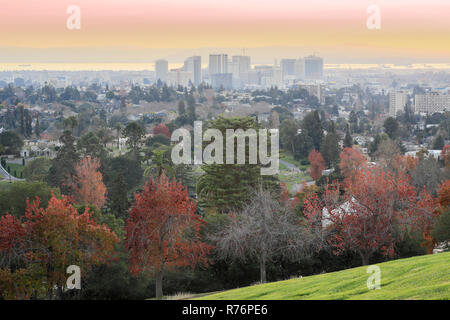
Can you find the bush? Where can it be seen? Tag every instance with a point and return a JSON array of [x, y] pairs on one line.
[[441, 231], [37, 169], [14, 199]]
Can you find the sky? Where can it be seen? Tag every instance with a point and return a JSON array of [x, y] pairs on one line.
[[139, 30]]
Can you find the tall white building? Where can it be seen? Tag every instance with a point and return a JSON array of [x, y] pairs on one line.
[[287, 67], [397, 102], [271, 76], [178, 77], [313, 67], [432, 102], [218, 63], [316, 90], [161, 69], [240, 65], [300, 68], [194, 65]]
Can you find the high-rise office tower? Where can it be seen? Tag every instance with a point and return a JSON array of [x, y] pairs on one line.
[[240, 65], [222, 81], [161, 69], [194, 65], [300, 68], [287, 67], [313, 67], [218, 63]]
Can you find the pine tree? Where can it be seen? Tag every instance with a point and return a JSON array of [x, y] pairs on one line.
[[181, 108], [118, 196], [21, 119], [313, 125], [438, 143], [37, 129], [191, 114], [348, 140], [227, 187], [330, 147], [62, 168], [28, 126], [353, 119]]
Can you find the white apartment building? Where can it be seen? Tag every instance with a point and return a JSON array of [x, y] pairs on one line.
[[178, 77], [194, 66], [240, 65], [315, 90], [432, 102], [397, 102], [218, 63], [300, 68], [161, 69]]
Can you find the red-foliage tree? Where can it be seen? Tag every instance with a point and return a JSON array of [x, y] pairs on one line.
[[367, 217], [163, 230], [317, 164], [444, 194], [38, 249], [88, 183], [352, 161], [161, 129], [446, 155], [404, 164]]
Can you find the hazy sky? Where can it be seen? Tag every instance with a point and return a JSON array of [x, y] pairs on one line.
[[336, 29]]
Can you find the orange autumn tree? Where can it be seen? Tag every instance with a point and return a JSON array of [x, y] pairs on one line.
[[372, 214], [317, 164], [88, 183], [352, 161], [163, 230], [38, 248], [446, 155], [404, 164], [444, 194]]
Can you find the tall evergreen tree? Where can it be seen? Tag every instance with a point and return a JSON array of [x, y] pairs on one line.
[[330, 149], [21, 119], [28, 125], [312, 124], [118, 196], [348, 140], [63, 166], [438, 143], [353, 119], [37, 128], [181, 108], [191, 114], [226, 187]]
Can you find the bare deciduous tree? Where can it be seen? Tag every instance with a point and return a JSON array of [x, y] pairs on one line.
[[265, 228]]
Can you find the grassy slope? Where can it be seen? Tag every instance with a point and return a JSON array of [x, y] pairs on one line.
[[423, 277], [15, 167]]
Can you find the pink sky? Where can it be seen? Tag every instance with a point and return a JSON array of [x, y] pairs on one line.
[[418, 26]]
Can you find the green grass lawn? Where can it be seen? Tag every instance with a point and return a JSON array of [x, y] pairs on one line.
[[290, 178], [417, 278], [288, 157], [14, 166]]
